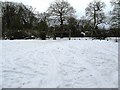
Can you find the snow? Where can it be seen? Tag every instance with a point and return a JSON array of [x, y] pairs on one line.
[[0, 64], [60, 64]]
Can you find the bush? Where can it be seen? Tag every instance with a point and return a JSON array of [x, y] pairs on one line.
[[17, 35], [43, 35]]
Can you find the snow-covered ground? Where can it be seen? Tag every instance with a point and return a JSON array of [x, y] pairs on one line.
[[60, 64], [0, 64]]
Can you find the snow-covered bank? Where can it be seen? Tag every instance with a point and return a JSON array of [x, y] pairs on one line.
[[60, 64]]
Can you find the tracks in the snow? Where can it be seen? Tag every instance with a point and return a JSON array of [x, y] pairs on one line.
[[54, 65]]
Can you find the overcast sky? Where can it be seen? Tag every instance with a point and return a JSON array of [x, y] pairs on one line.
[[79, 5]]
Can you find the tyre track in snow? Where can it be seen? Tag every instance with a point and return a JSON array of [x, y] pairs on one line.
[[52, 65], [52, 78], [92, 73], [22, 68]]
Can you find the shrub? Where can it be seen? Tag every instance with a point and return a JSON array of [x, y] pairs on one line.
[[43, 35]]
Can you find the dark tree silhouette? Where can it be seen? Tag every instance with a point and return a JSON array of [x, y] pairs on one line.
[[16, 17], [115, 20], [115, 13], [60, 10], [95, 13]]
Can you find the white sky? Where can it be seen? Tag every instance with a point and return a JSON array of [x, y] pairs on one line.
[[79, 5]]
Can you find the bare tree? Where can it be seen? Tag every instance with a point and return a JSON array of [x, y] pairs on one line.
[[115, 14], [42, 16], [60, 10], [95, 12]]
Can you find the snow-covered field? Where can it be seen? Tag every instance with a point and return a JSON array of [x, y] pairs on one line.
[[60, 64], [0, 65]]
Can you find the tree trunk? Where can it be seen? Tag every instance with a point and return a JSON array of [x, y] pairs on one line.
[[61, 25], [69, 34], [94, 28]]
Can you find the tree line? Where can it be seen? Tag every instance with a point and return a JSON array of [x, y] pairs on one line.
[[21, 21]]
